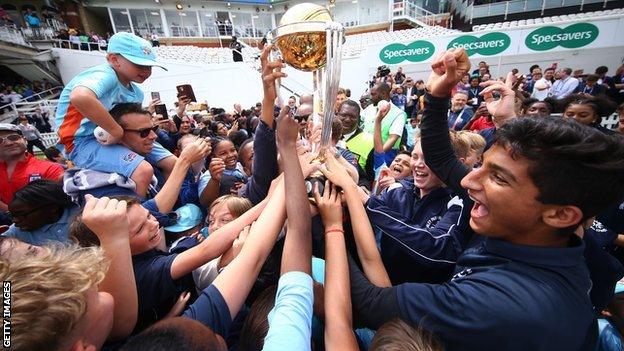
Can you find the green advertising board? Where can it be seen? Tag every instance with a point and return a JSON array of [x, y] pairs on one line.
[[417, 51], [571, 37], [486, 45]]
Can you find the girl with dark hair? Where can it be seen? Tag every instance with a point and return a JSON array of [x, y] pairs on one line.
[[219, 129], [534, 108], [588, 110], [41, 212]]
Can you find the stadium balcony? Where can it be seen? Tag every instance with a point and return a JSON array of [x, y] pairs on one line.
[[550, 19]]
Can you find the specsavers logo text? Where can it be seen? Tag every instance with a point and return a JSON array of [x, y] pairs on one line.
[[571, 37], [417, 51], [488, 44]]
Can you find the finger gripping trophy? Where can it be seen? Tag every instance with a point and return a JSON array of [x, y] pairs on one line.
[[309, 40]]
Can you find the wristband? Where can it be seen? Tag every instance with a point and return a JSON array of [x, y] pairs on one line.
[[334, 230]]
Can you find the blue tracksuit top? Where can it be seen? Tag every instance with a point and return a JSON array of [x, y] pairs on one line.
[[420, 239]]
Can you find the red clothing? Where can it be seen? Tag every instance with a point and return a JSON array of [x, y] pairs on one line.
[[481, 123], [25, 172]]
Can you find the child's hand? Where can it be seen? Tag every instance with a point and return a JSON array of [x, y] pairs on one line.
[[196, 150], [287, 129], [179, 306], [216, 168], [329, 205], [152, 106], [335, 171], [106, 217]]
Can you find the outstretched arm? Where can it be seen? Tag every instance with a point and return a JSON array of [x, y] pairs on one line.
[[338, 319], [108, 219]]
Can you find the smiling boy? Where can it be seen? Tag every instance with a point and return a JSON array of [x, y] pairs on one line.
[[526, 285]]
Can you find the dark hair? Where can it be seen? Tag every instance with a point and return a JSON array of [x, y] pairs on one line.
[[570, 164], [256, 324], [214, 126], [592, 78], [51, 152], [602, 106], [124, 108], [384, 88], [602, 70], [336, 130], [567, 70], [549, 69], [238, 138], [214, 142], [85, 237], [242, 145], [352, 104], [43, 192], [170, 334], [533, 67]]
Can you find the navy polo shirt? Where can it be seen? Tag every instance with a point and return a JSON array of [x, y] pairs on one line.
[[421, 239], [157, 291], [507, 297], [211, 309]]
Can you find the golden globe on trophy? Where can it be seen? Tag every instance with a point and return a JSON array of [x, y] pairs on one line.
[[309, 40]]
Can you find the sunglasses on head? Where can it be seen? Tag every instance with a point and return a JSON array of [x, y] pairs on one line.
[[143, 133], [302, 118], [12, 137]]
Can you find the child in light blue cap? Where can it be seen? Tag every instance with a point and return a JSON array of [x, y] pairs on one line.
[[84, 104]]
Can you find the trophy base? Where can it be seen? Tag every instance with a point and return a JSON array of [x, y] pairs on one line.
[[315, 178]]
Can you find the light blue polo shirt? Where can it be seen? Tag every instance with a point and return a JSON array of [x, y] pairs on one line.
[[290, 320], [103, 81]]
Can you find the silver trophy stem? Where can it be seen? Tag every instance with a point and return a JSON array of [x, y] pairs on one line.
[[334, 39]]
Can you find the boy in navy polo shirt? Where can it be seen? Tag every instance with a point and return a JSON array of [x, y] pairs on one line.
[[525, 286], [84, 104]]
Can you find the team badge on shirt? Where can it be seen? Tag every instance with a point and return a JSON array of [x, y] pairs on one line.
[[34, 176], [130, 157]]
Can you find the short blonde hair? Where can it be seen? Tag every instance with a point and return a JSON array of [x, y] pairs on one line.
[[397, 335], [461, 144], [49, 294], [476, 141], [235, 204]]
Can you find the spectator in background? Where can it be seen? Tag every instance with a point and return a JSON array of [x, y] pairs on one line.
[[536, 74], [460, 114], [17, 167], [564, 85], [41, 121], [54, 155], [591, 86], [617, 91], [399, 98], [474, 97], [237, 50], [601, 72], [483, 67], [154, 39], [399, 76], [12, 95], [541, 87], [32, 135]]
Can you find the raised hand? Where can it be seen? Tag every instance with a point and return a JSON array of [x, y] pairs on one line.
[[216, 168], [106, 217], [152, 106], [336, 172], [329, 205], [447, 71], [271, 71], [196, 150], [503, 108], [287, 129]]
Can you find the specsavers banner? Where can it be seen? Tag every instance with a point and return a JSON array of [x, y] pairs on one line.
[[570, 36]]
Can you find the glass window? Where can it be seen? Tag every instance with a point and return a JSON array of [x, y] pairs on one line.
[[242, 24], [146, 22], [208, 23], [120, 18], [182, 23], [262, 22]]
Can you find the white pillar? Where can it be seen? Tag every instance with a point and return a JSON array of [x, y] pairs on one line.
[[110, 14], [164, 23]]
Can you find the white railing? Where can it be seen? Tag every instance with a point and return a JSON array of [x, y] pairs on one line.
[[66, 44], [13, 35], [409, 9], [44, 101], [504, 8], [49, 139]]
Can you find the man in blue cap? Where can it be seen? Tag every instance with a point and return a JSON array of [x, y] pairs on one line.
[[84, 105]]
